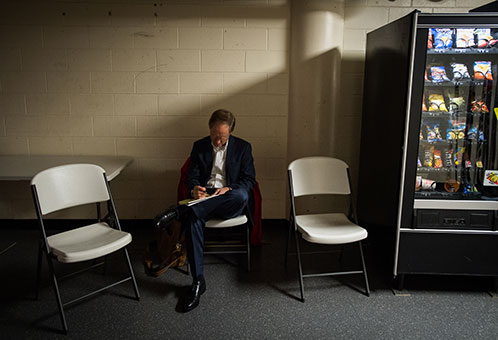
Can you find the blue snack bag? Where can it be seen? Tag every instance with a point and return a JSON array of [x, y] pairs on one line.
[[443, 37], [438, 74]]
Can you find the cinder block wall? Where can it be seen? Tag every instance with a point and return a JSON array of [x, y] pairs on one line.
[[140, 79]]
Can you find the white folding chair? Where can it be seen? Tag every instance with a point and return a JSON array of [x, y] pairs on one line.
[[230, 247], [317, 176], [69, 186]]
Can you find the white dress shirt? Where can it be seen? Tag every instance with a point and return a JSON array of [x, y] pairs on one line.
[[218, 174]]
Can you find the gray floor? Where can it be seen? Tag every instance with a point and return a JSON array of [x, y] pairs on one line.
[[255, 305]]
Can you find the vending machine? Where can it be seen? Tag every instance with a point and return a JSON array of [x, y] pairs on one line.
[[429, 143]]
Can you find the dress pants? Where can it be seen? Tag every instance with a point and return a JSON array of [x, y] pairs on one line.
[[229, 205]]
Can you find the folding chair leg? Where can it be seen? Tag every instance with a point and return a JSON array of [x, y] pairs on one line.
[[341, 253], [57, 293], [364, 269], [135, 286], [248, 238], [289, 235], [301, 284], [38, 271], [104, 267]]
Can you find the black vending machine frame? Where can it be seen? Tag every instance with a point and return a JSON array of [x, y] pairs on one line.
[[393, 90]]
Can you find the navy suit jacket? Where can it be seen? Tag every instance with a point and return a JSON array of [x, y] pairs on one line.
[[239, 164]]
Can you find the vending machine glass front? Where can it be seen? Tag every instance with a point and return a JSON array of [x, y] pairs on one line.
[[457, 153]]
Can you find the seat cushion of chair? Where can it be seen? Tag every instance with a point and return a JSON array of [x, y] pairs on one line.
[[87, 243], [230, 222], [329, 229]]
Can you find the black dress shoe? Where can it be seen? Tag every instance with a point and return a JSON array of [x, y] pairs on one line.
[[162, 220], [194, 295]]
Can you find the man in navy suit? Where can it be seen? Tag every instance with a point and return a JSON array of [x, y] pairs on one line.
[[221, 165]]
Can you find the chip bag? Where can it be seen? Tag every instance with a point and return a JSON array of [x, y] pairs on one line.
[[433, 134], [482, 69], [479, 106], [436, 103], [443, 37], [456, 104], [484, 38], [465, 38], [438, 74], [460, 71], [475, 134], [456, 129]]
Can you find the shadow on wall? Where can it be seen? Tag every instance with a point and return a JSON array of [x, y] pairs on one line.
[[347, 125], [335, 115], [314, 98], [257, 94]]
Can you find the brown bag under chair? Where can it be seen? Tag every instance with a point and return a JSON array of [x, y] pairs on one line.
[[168, 251]]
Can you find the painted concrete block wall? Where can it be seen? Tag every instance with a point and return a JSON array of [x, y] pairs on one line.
[[140, 79], [361, 17]]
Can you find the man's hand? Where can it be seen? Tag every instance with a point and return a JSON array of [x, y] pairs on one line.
[[222, 191], [198, 192]]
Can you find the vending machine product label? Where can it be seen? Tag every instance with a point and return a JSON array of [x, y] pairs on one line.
[[491, 178]]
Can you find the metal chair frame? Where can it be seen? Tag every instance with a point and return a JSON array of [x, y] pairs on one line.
[[293, 226], [231, 245], [247, 244], [44, 247]]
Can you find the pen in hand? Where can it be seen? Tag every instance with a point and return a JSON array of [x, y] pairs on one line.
[[199, 192]]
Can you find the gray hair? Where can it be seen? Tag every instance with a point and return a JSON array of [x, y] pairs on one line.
[[222, 116]]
